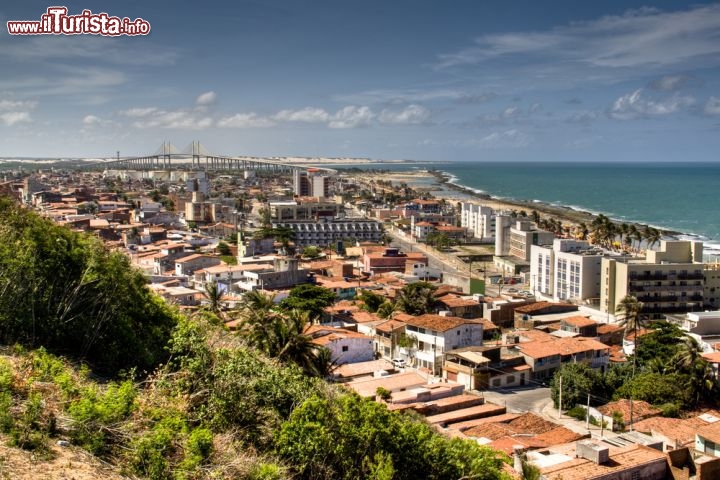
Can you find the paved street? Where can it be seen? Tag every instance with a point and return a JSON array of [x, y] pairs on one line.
[[521, 400]]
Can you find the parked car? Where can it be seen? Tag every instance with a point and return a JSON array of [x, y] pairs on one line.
[[399, 362]]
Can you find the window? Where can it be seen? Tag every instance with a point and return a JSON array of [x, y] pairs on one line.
[[345, 348]]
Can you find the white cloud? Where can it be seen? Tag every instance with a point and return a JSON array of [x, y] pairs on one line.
[[410, 115], [645, 37], [91, 120], [712, 106], [11, 118], [511, 138], [207, 98], [636, 104], [307, 114], [140, 112], [6, 105], [352, 117], [245, 120], [178, 119]]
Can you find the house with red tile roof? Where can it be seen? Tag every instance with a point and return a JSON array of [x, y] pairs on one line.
[[345, 345], [436, 334], [393, 260]]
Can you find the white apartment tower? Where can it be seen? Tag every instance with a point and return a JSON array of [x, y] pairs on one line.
[[479, 220], [566, 270]]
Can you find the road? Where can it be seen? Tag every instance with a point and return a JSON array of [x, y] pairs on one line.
[[520, 400]]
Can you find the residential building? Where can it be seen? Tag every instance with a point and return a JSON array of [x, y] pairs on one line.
[[437, 333], [583, 326], [186, 266], [669, 280], [393, 260], [546, 354], [345, 345], [304, 208], [387, 335], [483, 367], [311, 183], [284, 273], [463, 307], [330, 231], [707, 439], [566, 270], [595, 461], [523, 236], [479, 220]]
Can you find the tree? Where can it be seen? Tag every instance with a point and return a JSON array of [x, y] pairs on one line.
[[629, 317], [578, 380], [65, 291], [416, 298], [371, 300], [354, 437], [309, 298], [214, 294], [311, 252], [224, 249]]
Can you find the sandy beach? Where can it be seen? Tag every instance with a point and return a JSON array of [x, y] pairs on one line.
[[439, 186]]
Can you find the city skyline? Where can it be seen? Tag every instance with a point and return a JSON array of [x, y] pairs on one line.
[[481, 81]]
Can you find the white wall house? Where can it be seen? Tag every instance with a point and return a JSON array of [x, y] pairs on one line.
[[435, 334], [345, 346]]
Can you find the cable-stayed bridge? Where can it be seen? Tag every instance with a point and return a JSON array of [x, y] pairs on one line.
[[196, 157]]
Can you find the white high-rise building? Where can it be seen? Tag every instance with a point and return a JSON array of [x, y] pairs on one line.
[[479, 220], [566, 270]]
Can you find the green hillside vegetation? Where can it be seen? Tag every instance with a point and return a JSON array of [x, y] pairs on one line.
[[65, 291], [213, 405]]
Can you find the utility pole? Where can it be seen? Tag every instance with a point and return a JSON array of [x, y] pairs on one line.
[[587, 420]]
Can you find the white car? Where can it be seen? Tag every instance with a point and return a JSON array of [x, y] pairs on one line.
[[399, 362]]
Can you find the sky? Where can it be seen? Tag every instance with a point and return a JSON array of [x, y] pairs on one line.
[[395, 79]]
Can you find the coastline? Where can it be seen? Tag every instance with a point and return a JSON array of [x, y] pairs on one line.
[[440, 184]]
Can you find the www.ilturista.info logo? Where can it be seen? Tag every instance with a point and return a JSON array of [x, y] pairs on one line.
[[57, 22]]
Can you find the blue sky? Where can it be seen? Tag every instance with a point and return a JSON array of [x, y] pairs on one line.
[[410, 79]]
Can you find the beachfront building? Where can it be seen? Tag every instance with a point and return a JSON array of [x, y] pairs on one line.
[[524, 235], [669, 280], [479, 220], [711, 272], [566, 270]]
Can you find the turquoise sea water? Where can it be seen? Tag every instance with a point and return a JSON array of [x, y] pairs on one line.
[[683, 197]]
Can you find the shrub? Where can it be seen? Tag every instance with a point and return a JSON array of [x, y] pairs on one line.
[[95, 414], [578, 413], [670, 410]]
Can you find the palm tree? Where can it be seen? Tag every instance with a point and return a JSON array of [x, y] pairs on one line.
[[214, 298], [628, 314], [652, 236], [535, 216], [689, 360], [416, 298], [582, 231], [623, 231]]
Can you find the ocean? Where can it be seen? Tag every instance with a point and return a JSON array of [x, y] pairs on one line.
[[681, 197]]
